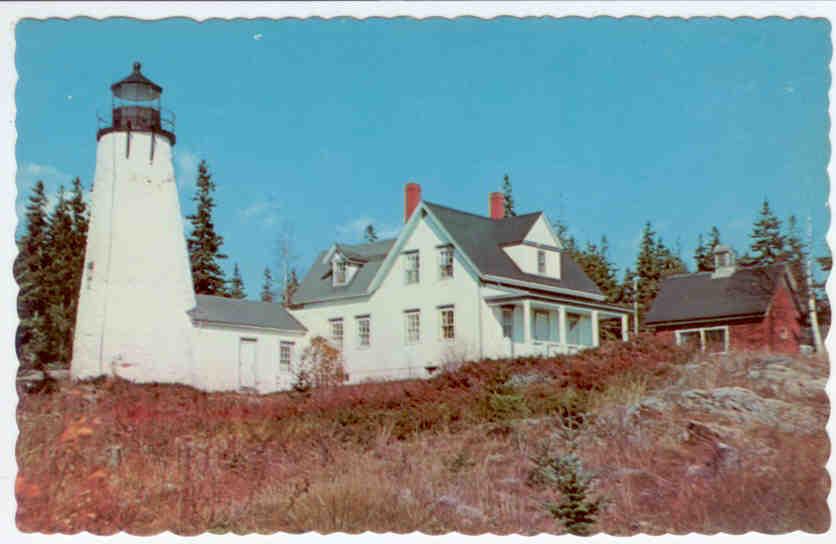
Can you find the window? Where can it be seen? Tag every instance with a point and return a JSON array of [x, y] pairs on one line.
[[541, 325], [285, 356], [507, 322], [541, 261], [339, 272], [448, 323], [413, 326], [445, 260], [413, 267], [710, 340], [337, 332], [364, 331]]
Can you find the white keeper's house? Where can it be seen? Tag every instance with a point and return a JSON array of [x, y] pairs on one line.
[[452, 286]]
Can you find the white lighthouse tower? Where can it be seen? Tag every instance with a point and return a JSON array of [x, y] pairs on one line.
[[137, 285]]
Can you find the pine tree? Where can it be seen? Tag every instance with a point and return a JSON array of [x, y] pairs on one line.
[[78, 244], [203, 242], [371, 234], [595, 262], [767, 242], [236, 285], [795, 254], [60, 285], [701, 255], [30, 273], [509, 197], [267, 287], [290, 288], [668, 262], [647, 268]]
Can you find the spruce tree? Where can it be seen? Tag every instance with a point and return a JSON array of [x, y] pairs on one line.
[[647, 268], [203, 242], [701, 255], [290, 288], [668, 261], [795, 254], [767, 242], [267, 286], [236, 285], [509, 196], [30, 274], [60, 288], [371, 234], [595, 262]]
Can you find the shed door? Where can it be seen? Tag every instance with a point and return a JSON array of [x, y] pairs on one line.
[[246, 362]]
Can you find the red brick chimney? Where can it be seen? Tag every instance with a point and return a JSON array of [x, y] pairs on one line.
[[496, 205], [412, 197]]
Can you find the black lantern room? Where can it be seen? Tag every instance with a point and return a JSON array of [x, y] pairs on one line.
[[136, 106]]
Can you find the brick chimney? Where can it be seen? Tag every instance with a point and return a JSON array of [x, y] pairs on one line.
[[496, 205], [412, 197]]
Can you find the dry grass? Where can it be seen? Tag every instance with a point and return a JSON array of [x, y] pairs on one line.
[[449, 454]]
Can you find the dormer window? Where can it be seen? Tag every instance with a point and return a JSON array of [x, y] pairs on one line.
[[340, 272], [541, 262]]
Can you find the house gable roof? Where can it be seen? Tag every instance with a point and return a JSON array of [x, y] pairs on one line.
[[699, 296], [480, 239], [249, 313]]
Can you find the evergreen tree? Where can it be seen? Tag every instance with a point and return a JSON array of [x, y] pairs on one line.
[[668, 261], [236, 285], [647, 268], [290, 288], [596, 264], [795, 254], [767, 242], [30, 273], [267, 287], [704, 254], [60, 286], [203, 242], [371, 234], [565, 237], [509, 197]]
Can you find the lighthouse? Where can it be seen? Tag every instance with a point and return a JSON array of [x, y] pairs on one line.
[[136, 285]]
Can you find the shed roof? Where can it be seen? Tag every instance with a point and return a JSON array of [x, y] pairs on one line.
[[700, 296], [230, 311]]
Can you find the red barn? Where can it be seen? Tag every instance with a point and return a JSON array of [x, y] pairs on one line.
[[732, 308]]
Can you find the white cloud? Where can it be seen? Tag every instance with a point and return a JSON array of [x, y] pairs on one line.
[[264, 211], [355, 230], [257, 37], [185, 167]]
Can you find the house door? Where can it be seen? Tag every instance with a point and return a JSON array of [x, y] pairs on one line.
[[246, 363]]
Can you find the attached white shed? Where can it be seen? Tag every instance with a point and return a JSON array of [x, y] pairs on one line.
[[244, 345]]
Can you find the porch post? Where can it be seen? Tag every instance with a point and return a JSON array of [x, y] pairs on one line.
[[561, 324], [596, 340], [526, 321], [625, 327]]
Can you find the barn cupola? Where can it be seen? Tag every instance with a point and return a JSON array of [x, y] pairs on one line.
[[724, 261], [136, 106]]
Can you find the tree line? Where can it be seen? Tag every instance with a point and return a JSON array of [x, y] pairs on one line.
[[50, 261], [772, 241]]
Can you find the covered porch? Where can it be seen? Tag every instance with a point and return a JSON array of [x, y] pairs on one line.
[[534, 326]]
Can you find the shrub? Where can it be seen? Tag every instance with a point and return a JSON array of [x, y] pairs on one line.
[[320, 365]]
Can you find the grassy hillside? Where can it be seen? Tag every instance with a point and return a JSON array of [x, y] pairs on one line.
[[669, 442]]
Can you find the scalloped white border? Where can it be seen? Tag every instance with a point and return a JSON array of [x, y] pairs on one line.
[[10, 13]]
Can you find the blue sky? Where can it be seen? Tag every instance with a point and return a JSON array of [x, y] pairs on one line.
[[317, 124]]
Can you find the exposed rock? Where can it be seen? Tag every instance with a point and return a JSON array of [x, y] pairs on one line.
[[517, 380], [462, 509]]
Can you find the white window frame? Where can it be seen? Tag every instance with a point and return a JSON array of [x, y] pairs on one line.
[[445, 262], [412, 327], [508, 323], [364, 338], [444, 325], [412, 267], [285, 348], [337, 339], [340, 272], [702, 331], [542, 262]]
